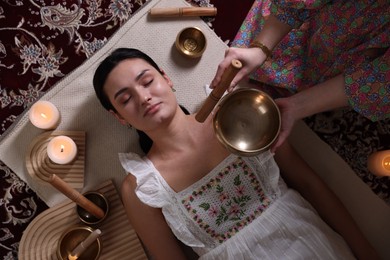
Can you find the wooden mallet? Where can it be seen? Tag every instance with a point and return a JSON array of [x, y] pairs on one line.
[[218, 91], [76, 196]]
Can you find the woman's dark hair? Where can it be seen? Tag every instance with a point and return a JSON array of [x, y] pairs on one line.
[[100, 77], [144, 140], [108, 64]]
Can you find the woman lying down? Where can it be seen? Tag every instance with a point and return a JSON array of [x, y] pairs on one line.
[[189, 187]]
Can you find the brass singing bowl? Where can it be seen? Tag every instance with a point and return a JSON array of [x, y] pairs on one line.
[[99, 200], [247, 121], [191, 42], [73, 236]]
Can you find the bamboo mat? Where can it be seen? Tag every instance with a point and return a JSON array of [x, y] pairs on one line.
[[41, 168], [119, 240]]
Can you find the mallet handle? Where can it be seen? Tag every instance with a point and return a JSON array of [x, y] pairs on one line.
[[76, 196], [218, 91], [183, 11]]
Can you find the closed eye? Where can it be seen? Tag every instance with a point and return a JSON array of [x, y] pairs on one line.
[[147, 81], [124, 98]]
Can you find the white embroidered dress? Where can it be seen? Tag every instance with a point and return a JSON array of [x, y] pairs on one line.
[[242, 209]]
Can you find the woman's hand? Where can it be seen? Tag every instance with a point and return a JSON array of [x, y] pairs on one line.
[[250, 58], [326, 96], [288, 120]]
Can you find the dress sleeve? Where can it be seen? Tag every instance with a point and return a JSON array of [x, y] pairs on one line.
[[149, 189], [295, 12], [368, 88]]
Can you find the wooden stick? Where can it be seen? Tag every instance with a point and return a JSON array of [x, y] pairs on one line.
[[80, 248], [183, 11], [218, 91], [76, 196]]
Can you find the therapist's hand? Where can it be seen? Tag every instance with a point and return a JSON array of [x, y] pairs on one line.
[[288, 120], [250, 58]]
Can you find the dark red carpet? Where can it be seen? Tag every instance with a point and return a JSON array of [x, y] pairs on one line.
[[42, 41]]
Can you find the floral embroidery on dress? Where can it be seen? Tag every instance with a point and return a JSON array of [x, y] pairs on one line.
[[227, 202]]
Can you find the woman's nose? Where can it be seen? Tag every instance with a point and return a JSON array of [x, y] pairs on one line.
[[144, 96]]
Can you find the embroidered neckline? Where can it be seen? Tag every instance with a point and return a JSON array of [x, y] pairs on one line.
[[218, 168]]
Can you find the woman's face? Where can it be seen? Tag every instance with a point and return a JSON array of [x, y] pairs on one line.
[[141, 96]]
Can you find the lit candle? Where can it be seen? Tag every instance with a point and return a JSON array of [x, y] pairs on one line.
[[378, 163], [61, 150], [44, 115]]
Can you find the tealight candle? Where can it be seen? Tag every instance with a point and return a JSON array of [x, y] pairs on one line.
[[44, 115], [61, 149], [378, 163]]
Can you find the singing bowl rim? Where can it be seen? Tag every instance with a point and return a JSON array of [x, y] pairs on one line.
[[183, 33], [63, 245], [221, 109], [102, 199]]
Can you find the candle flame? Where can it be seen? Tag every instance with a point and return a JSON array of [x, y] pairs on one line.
[[62, 148], [43, 115], [386, 163]]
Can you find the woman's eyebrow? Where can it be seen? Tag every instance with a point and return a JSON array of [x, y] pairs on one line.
[[137, 78], [141, 74], [120, 92]]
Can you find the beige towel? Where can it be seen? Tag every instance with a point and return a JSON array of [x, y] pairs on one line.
[[75, 98]]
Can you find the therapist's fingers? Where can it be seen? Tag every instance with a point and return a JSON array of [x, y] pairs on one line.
[[230, 54], [243, 73], [279, 141], [287, 122], [221, 69]]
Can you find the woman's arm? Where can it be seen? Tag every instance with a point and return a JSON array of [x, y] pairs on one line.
[[325, 96], [150, 224], [299, 176], [251, 58]]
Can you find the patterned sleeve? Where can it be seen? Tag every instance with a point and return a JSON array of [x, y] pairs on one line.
[[368, 87], [295, 12]]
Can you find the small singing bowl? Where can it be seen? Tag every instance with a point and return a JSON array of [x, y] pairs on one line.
[[99, 200], [247, 121], [72, 237], [191, 42]]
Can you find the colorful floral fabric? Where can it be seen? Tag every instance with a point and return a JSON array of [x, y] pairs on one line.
[[329, 38]]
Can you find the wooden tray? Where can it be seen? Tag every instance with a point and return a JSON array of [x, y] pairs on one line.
[[119, 240], [40, 167]]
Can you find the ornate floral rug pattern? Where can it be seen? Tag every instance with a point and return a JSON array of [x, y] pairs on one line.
[[42, 41]]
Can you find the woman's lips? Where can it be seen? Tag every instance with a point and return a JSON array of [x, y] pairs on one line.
[[151, 109]]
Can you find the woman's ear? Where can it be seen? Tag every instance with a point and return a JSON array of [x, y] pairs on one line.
[[118, 117], [165, 76]]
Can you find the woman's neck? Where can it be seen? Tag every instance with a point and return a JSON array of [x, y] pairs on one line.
[[180, 135]]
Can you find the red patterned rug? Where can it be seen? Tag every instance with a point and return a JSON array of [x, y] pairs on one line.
[[42, 41]]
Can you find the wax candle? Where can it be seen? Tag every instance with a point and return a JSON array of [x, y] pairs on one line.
[[44, 115], [61, 149], [378, 163]]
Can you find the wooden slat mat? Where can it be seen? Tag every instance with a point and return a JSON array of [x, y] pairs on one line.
[[119, 240], [41, 168]]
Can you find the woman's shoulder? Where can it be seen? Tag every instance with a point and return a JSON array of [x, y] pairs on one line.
[[130, 160], [143, 178]]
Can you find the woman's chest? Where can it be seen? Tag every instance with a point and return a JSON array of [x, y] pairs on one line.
[[225, 200], [187, 169]]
